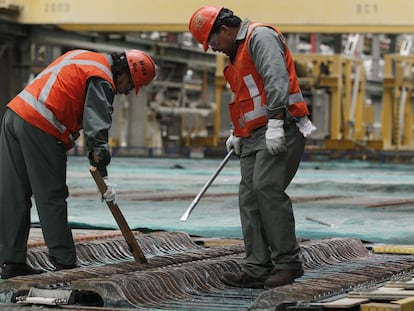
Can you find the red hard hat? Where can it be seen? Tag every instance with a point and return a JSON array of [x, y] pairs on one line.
[[202, 22], [141, 67]]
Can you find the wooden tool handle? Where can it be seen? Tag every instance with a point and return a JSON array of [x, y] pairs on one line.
[[120, 219]]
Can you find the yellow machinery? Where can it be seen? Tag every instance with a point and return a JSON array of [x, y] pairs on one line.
[[397, 116], [344, 78], [351, 117]]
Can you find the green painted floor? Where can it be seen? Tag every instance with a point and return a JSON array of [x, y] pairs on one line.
[[371, 201]]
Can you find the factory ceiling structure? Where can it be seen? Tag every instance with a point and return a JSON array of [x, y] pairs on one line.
[[193, 112], [295, 16]]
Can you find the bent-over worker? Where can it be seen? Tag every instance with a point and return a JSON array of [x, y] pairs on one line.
[[76, 91]]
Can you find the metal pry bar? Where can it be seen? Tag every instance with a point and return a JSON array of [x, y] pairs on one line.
[[205, 187]]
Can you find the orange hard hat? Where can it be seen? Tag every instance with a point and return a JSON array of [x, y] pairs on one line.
[[141, 67], [202, 22]]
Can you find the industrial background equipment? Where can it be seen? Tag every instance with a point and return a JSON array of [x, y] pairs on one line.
[[354, 60]]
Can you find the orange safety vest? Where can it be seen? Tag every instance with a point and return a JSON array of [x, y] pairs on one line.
[[248, 111], [55, 99]]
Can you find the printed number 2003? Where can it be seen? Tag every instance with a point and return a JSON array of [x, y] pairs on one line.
[[56, 7]]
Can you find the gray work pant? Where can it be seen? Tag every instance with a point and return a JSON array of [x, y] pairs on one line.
[[266, 212], [32, 163]]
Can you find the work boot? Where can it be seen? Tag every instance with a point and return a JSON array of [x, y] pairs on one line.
[[59, 266], [279, 277], [241, 279], [10, 270]]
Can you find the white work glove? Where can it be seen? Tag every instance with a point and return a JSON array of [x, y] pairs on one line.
[[109, 195], [233, 142], [306, 127], [275, 136]]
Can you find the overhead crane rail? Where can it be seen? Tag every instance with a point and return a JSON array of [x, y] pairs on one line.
[[294, 16]]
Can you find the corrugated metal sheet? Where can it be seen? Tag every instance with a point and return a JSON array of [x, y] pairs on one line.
[[183, 275]]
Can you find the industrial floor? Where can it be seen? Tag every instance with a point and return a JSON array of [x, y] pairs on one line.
[[370, 201], [354, 225]]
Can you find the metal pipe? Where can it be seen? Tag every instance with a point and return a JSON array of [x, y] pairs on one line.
[[205, 187]]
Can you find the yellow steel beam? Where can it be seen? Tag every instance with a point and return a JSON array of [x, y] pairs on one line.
[[295, 16], [397, 116]]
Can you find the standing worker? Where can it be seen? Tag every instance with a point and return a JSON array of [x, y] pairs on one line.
[[74, 92], [266, 113]]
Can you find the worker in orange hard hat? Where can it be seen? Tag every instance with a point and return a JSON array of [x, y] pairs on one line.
[[76, 91], [202, 22], [269, 128], [141, 68]]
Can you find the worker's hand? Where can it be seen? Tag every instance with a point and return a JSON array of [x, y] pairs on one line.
[[93, 158], [100, 159], [109, 195], [275, 136], [233, 142], [74, 136]]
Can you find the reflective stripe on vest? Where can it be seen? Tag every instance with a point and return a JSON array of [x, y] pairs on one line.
[[249, 110], [39, 104], [258, 110], [42, 109]]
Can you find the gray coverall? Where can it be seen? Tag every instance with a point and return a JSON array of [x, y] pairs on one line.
[[33, 162], [266, 212]]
